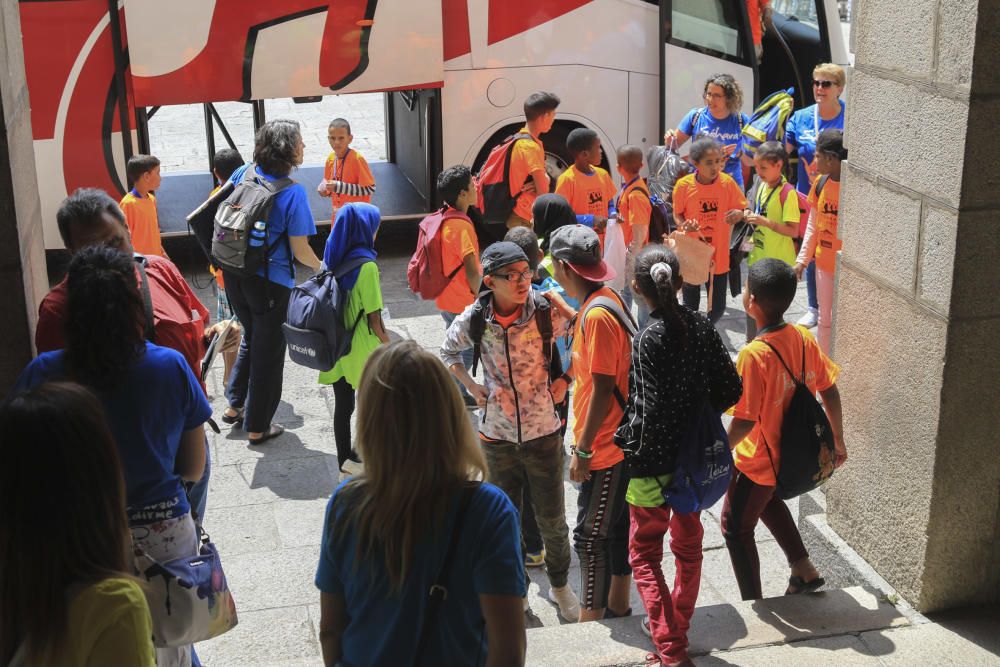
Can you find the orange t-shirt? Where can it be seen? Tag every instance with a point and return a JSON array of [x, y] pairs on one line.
[[506, 320], [767, 392], [143, 225], [458, 240], [708, 204], [352, 169], [600, 345], [634, 208], [754, 10], [526, 157], [217, 274], [827, 206]]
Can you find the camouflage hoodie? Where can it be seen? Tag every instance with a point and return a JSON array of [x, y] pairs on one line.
[[519, 407]]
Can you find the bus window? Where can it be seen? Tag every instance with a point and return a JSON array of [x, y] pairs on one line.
[[711, 27], [803, 11]]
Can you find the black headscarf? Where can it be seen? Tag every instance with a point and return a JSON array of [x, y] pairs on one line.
[[550, 212]]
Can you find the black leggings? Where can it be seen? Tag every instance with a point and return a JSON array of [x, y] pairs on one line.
[[343, 408]]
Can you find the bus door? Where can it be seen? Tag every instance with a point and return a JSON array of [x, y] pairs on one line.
[[701, 38], [198, 51]]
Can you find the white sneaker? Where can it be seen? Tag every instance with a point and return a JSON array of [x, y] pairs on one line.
[[810, 319], [569, 604]]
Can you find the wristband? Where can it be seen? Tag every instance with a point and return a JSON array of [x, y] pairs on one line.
[[580, 454], [567, 377]]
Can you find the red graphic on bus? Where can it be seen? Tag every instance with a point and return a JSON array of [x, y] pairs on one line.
[[222, 71]]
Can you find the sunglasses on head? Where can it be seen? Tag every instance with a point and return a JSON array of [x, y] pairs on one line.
[[822, 84]]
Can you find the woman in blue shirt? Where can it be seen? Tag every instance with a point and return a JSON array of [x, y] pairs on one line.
[[387, 531], [801, 132], [260, 303], [154, 404], [720, 119]]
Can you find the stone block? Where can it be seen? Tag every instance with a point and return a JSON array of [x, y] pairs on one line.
[[279, 578], [907, 134], [265, 637], [265, 481], [242, 530], [985, 73], [977, 272], [848, 649], [910, 50], [890, 386], [964, 526], [880, 229], [931, 644], [956, 41], [937, 257]]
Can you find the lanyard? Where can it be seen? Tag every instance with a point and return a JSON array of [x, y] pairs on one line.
[[338, 162], [767, 330], [618, 203], [767, 201], [816, 121]]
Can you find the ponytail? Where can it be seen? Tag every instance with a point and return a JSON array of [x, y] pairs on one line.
[[658, 277]]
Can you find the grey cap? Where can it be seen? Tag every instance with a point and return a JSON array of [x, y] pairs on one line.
[[499, 255], [580, 247]]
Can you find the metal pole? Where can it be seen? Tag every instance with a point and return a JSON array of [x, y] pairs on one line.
[[120, 64], [210, 140], [222, 126]]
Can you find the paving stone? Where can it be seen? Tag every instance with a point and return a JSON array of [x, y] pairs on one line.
[[242, 530], [974, 641], [300, 522], [278, 578], [843, 651], [283, 636], [291, 479]]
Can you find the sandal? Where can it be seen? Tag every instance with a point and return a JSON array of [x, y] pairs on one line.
[[232, 419], [798, 585], [273, 431]]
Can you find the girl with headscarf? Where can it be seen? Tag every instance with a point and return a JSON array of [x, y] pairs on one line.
[[353, 237], [549, 213]]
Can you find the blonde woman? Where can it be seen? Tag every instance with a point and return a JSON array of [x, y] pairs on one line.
[[801, 132], [388, 531], [720, 119]]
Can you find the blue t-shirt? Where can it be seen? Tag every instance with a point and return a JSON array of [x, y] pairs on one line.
[[158, 399], [383, 628], [290, 212], [726, 131], [801, 131]]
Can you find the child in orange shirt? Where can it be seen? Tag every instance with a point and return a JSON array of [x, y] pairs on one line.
[[601, 353], [139, 204], [346, 176], [633, 209], [588, 188], [706, 204], [528, 178], [755, 432], [821, 232]]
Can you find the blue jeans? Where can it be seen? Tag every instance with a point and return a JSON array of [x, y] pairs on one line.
[[811, 285], [198, 493], [466, 354], [691, 296]]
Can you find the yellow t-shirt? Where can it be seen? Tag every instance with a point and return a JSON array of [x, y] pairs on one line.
[[142, 222], [767, 242], [108, 623]]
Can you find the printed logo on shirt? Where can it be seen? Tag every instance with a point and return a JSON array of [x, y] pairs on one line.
[[709, 206], [595, 197]]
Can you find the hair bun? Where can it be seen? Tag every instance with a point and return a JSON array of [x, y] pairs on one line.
[[661, 270]]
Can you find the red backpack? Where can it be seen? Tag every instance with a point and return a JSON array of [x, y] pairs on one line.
[[425, 272], [493, 182], [804, 206]]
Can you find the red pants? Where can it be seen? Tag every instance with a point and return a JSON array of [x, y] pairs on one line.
[[669, 613]]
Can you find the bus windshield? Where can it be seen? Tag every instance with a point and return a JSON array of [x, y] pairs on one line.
[[802, 10]]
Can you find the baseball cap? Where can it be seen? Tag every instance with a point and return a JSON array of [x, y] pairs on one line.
[[499, 255], [580, 247]]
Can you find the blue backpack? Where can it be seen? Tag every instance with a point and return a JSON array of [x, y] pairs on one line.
[[704, 463], [314, 323]]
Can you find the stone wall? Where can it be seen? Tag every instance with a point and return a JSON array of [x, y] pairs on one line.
[[23, 279], [918, 300]]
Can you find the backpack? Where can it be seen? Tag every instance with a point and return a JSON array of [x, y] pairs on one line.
[[624, 318], [661, 217], [807, 451], [786, 189], [425, 272], [666, 167], [768, 120], [543, 320], [201, 221], [493, 182], [704, 462], [239, 241], [314, 323]]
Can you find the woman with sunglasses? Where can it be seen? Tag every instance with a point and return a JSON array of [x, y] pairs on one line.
[[720, 119], [801, 133]]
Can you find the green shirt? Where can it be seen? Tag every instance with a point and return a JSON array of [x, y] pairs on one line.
[[646, 491], [767, 242], [365, 297]]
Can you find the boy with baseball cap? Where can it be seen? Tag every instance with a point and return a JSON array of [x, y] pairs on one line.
[[511, 328], [601, 353]]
